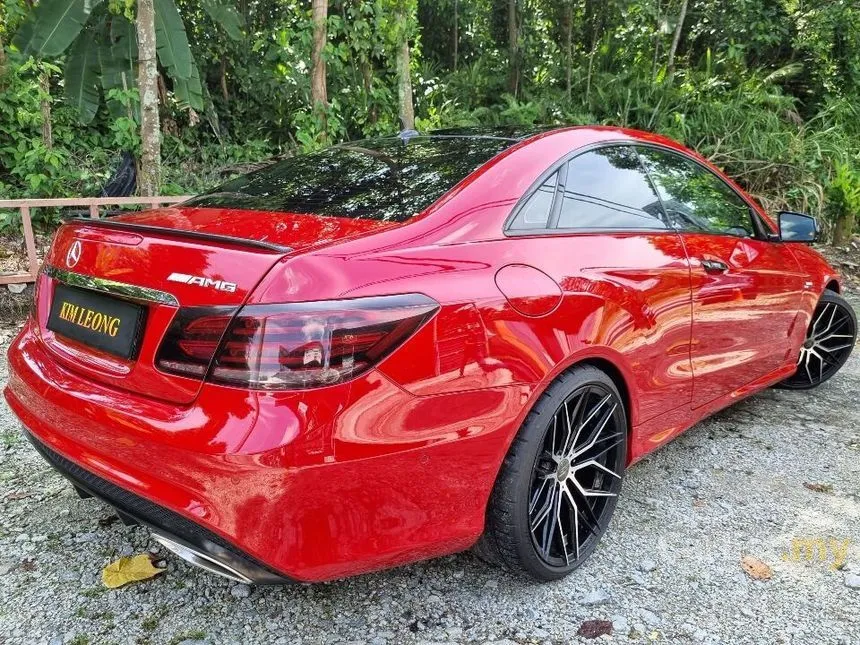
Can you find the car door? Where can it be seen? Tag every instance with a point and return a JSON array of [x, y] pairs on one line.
[[622, 270], [746, 288]]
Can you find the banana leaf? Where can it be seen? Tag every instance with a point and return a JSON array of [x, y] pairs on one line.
[[82, 76], [171, 42], [52, 27]]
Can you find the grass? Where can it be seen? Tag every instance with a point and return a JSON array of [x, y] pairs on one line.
[[194, 635]]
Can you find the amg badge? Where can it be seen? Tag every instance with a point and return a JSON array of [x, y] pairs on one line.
[[200, 281]]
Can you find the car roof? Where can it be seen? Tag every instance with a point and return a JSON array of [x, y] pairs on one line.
[[513, 132]]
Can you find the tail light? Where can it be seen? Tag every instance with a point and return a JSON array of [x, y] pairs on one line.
[[291, 346]]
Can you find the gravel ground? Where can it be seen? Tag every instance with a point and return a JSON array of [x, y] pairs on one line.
[[667, 571]]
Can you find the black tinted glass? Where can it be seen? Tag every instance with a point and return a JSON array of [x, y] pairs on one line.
[[608, 188], [535, 211], [694, 198], [380, 179]]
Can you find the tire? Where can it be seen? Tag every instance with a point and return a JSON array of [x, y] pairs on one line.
[[829, 340], [543, 462]]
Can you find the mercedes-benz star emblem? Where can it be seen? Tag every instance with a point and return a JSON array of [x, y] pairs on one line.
[[74, 254]]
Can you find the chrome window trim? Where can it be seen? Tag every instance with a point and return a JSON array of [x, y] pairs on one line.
[[123, 289]]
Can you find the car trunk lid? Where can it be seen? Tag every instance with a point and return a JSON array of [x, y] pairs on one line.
[[160, 261]]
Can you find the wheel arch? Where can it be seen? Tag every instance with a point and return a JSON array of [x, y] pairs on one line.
[[613, 367], [833, 285]]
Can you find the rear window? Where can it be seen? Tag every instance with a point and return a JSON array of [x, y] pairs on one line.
[[389, 180]]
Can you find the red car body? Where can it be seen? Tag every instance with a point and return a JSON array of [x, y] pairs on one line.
[[398, 464]]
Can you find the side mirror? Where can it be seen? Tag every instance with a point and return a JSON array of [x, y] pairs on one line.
[[797, 227]]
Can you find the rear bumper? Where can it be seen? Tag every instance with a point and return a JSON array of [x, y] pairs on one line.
[[163, 521], [306, 486]]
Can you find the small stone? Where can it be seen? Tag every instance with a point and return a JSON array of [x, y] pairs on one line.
[[378, 640], [491, 584], [647, 565], [852, 581], [594, 598], [240, 591], [126, 550], [17, 288], [746, 611], [22, 537], [700, 635], [649, 617], [620, 625]]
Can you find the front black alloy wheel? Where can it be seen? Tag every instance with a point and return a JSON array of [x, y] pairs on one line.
[[560, 481], [829, 341]]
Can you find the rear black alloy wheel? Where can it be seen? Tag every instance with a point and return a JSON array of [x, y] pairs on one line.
[[560, 481], [829, 341]]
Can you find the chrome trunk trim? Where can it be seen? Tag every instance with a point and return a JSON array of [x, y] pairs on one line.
[[130, 291]]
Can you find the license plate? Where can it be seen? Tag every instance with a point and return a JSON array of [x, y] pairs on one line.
[[108, 324]]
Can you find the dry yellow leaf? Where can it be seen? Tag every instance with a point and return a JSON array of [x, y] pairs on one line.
[[121, 572], [755, 568]]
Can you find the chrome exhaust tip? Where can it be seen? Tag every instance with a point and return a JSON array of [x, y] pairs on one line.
[[200, 559]]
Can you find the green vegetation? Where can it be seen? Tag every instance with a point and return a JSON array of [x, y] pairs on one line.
[[195, 635], [768, 89]]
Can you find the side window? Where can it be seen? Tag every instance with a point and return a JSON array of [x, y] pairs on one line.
[[694, 198], [535, 212], [607, 188]]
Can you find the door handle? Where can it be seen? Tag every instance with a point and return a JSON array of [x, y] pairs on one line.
[[715, 266]]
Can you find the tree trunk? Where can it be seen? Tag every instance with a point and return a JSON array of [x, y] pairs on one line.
[[224, 91], [513, 49], [2, 58], [319, 94], [45, 90], [670, 67], [404, 86], [843, 228], [149, 178], [569, 45], [456, 32]]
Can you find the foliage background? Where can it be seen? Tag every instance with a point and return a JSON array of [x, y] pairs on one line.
[[768, 89]]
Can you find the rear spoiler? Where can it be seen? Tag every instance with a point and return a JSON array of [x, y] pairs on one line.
[[178, 232]]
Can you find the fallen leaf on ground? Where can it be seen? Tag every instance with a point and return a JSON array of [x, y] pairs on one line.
[[594, 628], [755, 568], [125, 570], [819, 488]]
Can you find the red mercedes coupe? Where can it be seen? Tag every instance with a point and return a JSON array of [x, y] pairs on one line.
[[404, 347]]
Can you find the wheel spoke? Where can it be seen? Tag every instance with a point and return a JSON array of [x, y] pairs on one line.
[[574, 420], [572, 503], [806, 366], [590, 520], [836, 349], [618, 438], [818, 320], [545, 509], [592, 463], [549, 524], [603, 422], [537, 494], [561, 528]]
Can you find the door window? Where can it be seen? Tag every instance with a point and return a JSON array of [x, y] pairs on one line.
[[694, 198], [608, 188]]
